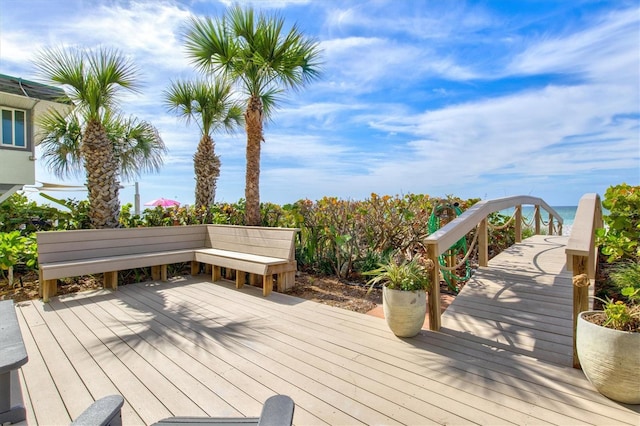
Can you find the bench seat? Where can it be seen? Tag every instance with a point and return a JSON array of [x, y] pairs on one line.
[[250, 263], [113, 263], [50, 272]]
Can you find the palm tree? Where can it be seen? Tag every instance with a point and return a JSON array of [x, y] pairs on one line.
[[212, 107], [137, 144], [92, 79], [265, 61]]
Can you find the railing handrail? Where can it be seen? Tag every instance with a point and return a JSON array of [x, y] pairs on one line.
[[582, 241], [444, 238], [452, 232], [582, 256]]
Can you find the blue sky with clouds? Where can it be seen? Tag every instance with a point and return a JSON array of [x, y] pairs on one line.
[[471, 98]]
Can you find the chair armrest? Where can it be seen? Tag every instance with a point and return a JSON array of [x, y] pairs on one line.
[[277, 411], [103, 412]]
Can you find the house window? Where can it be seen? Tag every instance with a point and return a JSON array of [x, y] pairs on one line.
[[14, 128]]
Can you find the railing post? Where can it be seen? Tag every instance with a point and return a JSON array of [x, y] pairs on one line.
[[580, 299], [434, 292], [518, 225], [483, 243], [550, 224], [536, 215]]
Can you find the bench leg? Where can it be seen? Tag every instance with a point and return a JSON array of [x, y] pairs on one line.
[[215, 273], [195, 268], [240, 277], [288, 281], [163, 273], [49, 289], [228, 273], [255, 279], [111, 280], [267, 284], [155, 273]]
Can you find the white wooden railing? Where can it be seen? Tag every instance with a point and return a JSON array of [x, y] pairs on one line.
[[582, 256], [477, 217]]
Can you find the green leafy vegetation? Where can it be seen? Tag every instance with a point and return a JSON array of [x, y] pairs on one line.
[[341, 238], [620, 238], [402, 274]]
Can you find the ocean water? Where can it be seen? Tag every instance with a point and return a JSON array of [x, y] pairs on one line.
[[567, 213]]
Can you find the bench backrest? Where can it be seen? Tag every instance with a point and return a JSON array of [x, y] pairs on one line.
[[55, 246], [274, 242]]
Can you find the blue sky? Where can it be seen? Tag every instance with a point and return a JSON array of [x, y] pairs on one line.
[[475, 99]]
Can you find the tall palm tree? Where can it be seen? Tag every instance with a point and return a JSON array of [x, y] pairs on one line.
[[265, 60], [137, 144], [92, 79], [212, 107]]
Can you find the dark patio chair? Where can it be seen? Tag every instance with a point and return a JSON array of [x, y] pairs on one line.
[[277, 411]]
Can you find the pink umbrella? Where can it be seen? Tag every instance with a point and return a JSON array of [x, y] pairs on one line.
[[163, 202]]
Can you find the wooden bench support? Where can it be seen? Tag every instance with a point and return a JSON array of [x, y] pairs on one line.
[[240, 277], [215, 273], [49, 289], [110, 280], [267, 284], [195, 268]]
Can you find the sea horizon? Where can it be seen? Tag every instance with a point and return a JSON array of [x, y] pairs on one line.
[[567, 213]]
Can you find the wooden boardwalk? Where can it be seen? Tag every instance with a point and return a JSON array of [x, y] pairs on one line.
[[190, 347]]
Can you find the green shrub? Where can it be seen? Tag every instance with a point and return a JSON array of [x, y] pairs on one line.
[[620, 239], [626, 277]]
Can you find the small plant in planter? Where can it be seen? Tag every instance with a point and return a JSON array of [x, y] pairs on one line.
[[607, 341], [405, 283]]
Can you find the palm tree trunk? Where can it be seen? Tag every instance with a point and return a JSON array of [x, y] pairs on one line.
[[253, 119], [206, 165], [101, 165]]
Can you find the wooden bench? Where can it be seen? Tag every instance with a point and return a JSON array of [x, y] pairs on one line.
[[13, 355], [256, 250]]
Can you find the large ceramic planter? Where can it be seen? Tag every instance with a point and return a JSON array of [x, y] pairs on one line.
[[404, 311], [610, 359]]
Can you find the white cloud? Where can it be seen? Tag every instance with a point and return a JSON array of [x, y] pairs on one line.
[[607, 51]]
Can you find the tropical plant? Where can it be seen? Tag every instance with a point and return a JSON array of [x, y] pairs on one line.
[[212, 107], [18, 213], [620, 238], [137, 144], [406, 275], [265, 60], [619, 316], [97, 134], [626, 277], [15, 248]]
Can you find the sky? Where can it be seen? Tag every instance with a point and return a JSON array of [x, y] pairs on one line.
[[476, 99]]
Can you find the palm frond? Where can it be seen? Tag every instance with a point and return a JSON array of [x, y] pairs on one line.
[[61, 144]]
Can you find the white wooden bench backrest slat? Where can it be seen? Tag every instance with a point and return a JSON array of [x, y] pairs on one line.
[[54, 246], [273, 242]]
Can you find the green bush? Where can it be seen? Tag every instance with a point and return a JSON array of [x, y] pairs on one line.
[[626, 277], [620, 239], [16, 249]]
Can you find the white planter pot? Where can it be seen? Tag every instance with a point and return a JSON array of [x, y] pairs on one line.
[[404, 311], [610, 359]]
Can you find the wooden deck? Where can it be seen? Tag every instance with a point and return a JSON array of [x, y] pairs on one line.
[[190, 347]]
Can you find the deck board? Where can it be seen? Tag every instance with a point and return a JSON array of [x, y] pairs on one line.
[[192, 347]]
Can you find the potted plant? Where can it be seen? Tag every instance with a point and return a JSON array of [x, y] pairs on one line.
[[404, 300], [608, 341]]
